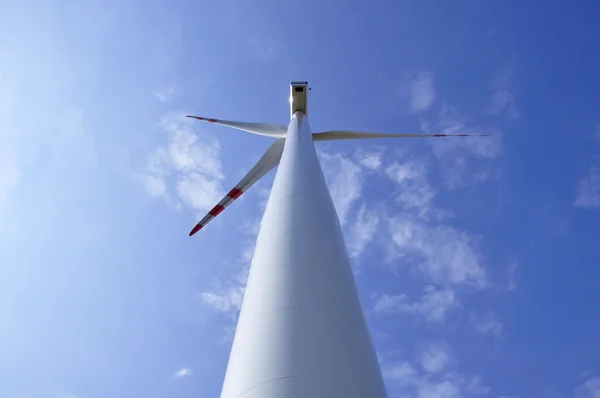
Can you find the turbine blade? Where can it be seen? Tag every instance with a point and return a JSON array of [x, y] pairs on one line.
[[269, 160], [268, 129], [351, 135]]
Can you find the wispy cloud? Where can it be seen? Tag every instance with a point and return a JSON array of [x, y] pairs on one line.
[[589, 389], [443, 254], [183, 372], [154, 185], [229, 299], [167, 94], [464, 161], [402, 373], [419, 385], [453, 121], [421, 91], [228, 292], [488, 324], [186, 170], [371, 160], [433, 375], [435, 357], [344, 178], [588, 196], [362, 230], [415, 192], [503, 100], [433, 306]]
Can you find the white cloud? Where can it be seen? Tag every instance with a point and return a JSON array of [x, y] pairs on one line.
[[435, 357], [362, 230], [589, 389], [421, 91], [452, 121], [226, 300], [589, 190], [442, 253], [167, 94], [344, 178], [456, 155], [183, 372], [194, 167], [406, 171], [503, 99], [199, 191], [489, 324], [433, 306], [474, 386], [405, 380], [185, 153], [371, 161], [228, 294], [154, 185], [401, 372], [451, 385], [442, 389], [415, 192]]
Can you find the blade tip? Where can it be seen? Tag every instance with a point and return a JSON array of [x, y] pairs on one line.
[[197, 228]]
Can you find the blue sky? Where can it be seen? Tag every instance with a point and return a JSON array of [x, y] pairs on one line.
[[476, 260]]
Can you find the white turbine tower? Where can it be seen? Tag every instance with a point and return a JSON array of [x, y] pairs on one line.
[[301, 332]]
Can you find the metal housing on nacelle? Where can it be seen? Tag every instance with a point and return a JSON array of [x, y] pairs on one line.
[[298, 97]]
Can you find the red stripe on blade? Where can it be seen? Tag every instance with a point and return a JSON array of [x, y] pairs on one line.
[[197, 228], [439, 135], [235, 193], [216, 210], [211, 120]]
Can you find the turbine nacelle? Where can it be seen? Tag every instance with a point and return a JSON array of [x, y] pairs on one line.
[[298, 97]]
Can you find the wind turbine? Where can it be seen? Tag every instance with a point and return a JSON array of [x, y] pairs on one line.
[[301, 331]]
